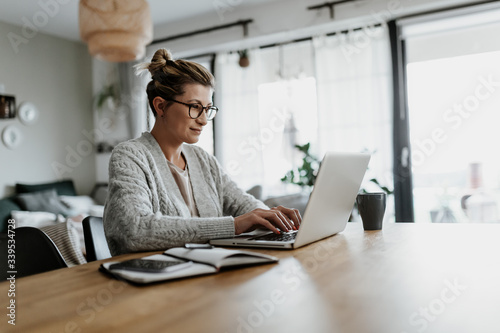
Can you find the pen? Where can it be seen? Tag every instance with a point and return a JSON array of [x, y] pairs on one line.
[[198, 246]]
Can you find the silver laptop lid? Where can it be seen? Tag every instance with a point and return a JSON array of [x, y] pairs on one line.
[[333, 196]]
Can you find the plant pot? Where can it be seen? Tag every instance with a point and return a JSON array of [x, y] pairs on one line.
[[244, 62]]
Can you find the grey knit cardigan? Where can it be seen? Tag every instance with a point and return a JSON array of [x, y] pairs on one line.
[[145, 211]]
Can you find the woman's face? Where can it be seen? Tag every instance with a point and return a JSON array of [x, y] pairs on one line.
[[179, 125]]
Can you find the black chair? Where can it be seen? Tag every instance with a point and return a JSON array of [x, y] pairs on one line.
[[96, 245], [34, 253]]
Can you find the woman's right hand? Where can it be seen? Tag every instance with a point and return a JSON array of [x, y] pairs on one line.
[[266, 218]]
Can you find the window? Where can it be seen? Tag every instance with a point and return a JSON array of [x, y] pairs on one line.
[[331, 91], [288, 116], [453, 87]]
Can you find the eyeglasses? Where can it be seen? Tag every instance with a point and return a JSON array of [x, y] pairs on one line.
[[196, 109]]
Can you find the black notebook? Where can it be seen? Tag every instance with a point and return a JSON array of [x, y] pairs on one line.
[[199, 262]]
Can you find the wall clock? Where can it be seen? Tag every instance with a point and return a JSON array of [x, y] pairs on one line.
[[11, 136], [28, 113]]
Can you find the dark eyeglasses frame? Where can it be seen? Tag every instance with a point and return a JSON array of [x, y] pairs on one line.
[[212, 108]]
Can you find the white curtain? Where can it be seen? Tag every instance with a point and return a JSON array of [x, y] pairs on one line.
[[237, 123], [334, 92], [133, 98], [257, 107], [353, 73]]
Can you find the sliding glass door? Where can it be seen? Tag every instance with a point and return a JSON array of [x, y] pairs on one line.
[[453, 107]]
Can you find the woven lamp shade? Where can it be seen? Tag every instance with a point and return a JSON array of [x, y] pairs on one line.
[[116, 30]]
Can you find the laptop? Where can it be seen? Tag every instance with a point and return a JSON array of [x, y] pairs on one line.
[[327, 211]]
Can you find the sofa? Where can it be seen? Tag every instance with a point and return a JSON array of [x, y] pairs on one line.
[[58, 210]]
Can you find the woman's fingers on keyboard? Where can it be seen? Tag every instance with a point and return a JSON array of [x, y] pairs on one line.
[[255, 218], [292, 216], [278, 219]]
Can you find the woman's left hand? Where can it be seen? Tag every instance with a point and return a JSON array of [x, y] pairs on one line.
[[291, 214]]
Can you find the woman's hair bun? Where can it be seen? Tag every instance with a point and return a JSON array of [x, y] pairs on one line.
[[161, 56], [158, 62], [170, 76]]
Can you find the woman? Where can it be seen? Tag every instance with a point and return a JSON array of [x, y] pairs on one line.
[[165, 192]]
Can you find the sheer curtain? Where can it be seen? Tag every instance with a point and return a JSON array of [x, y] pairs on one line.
[[237, 125], [333, 91], [354, 83], [255, 129], [133, 98]]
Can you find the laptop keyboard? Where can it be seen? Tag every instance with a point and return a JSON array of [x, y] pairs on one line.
[[283, 237]]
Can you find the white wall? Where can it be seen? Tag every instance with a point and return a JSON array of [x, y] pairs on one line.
[[121, 119], [56, 76]]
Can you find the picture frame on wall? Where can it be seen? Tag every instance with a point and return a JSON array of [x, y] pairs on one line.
[[7, 107]]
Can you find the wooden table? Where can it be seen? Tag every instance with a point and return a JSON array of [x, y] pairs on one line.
[[406, 278]]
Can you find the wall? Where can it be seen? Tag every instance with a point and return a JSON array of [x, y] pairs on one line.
[[56, 76], [122, 119]]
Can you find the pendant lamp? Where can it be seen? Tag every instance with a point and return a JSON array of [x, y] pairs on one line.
[[116, 30]]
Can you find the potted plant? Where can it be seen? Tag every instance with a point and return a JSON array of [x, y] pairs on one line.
[[244, 60], [305, 175], [109, 94]]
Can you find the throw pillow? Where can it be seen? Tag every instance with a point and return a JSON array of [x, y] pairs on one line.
[[97, 210], [77, 228], [80, 204], [43, 201], [33, 219], [63, 187]]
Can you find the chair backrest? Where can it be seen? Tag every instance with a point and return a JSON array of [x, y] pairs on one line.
[[96, 245], [35, 253]]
